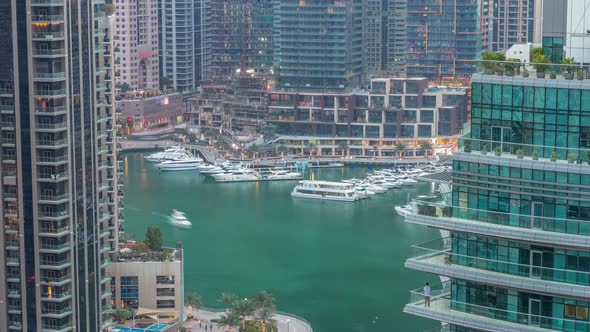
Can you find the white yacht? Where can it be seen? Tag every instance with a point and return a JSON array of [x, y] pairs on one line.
[[282, 175], [171, 153], [335, 191], [179, 219], [404, 210], [240, 175], [180, 164]]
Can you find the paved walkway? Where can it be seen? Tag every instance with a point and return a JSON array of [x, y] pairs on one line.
[[285, 323]]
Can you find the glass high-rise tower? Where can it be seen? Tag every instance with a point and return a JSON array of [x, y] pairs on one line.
[[515, 252], [59, 176], [318, 43]]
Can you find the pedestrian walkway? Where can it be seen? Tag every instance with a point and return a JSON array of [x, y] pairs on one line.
[[203, 322]]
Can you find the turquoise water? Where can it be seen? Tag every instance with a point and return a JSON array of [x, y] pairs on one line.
[[339, 265]]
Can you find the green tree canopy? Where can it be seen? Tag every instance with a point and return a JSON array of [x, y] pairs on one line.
[[153, 238]]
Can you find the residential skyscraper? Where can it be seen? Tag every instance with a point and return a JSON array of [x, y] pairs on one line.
[[516, 231], [137, 43], [318, 44], [384, 37], [59, 174], [513, 23], [445, 37]]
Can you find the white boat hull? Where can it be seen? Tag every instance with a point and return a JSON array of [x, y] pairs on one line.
[[178, 167], [327, 198]]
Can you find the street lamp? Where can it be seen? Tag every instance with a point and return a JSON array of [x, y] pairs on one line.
[[288, 324]]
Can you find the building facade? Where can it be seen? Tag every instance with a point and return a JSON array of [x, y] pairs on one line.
[[444, 37], [177, 42], [384, 37], [318, 44], [513, 23], [156, 285], [394, 110], [142, 111], [137, 43], [516, 232], [60, 186]]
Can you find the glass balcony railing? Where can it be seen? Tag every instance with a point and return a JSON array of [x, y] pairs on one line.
[[50, 109], [525, 151], [438, 252], [56, 311], [549, 224], [54, 198], [55, 247], [54, 230], [555, 71], [61, 75], [56, 296], [51, 264], [53, 126], [53, 51], [56, 280], [441, 303], [52, 159], [48, 35]]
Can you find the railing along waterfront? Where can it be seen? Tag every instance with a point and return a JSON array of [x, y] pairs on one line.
[[439, 250], [548, 224]]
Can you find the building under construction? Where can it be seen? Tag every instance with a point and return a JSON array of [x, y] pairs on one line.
[[446, 36]]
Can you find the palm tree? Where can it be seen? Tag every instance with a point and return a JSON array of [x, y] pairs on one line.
[[229, 321], [426, 147], [282, 149], [342, 146], [311, 147], [228, 300], [193, 301], [399, 149], [263, 318], [264, 299], [242, 309]]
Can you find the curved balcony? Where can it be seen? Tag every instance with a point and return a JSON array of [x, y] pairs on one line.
[[435, 257], [517, 227]]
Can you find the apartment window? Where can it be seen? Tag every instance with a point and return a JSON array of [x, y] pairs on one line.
[[165, 304], [165, 292], [165, 280], [129, 292]]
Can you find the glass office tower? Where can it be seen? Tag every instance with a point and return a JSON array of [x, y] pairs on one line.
[[515, 252], [59, 177]]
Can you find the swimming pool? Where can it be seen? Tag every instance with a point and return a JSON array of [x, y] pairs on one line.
[[153, 327]]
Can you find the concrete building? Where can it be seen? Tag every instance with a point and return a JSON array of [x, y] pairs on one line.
[[394, 110], [384, 37], [60, 186], [150, 111], [513, 23], [444, 37], [319, 44], [516, 235], [137, 43], [155, 284]]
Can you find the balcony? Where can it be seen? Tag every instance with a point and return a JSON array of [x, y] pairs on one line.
[[502, 225], [56, 313], [48, 215], [56, 281], [14, 293], [50, 110], [47, 2], [48, 35], [53, 93], [65, 327], [55, 199], [13, 277], [49, 53], [56, 297], [51, 177], [52, 143], [12, 261], [444, 309], [52, 160], [55, 265], [12, 245], [54, 248], [54, 231], [49, 77], [435, 257], [51, 127]]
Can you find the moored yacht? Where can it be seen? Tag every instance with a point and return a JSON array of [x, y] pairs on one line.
[[335, 191], [180, 164], [239, 175], [170, 153]]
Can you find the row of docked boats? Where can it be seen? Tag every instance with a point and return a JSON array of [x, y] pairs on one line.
[[175, 159], [355, 189]]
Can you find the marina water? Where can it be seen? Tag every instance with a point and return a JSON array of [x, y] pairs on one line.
[[337, 264]]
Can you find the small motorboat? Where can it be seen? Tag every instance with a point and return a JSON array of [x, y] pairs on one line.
[[179, 219]]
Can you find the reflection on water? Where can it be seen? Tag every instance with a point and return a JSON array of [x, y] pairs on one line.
[[338, 264]]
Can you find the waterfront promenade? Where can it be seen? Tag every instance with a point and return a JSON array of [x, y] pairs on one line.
[[285, 323], [211, 155]]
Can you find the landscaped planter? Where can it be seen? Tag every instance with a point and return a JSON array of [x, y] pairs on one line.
[[540, 74]]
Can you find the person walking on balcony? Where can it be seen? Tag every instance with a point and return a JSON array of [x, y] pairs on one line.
[[427, 295]]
